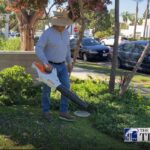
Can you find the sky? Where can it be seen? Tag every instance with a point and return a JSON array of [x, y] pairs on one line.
[[130, 5]]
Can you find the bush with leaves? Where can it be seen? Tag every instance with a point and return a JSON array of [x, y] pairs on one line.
[[111, 113], [12, 44], [115, 113], [16, 87], [103, 34]]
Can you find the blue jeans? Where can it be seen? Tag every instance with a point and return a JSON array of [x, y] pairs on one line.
[[63, 76]]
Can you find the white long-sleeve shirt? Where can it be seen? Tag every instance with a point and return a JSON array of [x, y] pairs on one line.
[[54, 46]]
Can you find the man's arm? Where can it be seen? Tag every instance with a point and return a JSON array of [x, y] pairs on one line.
[[40, 51]]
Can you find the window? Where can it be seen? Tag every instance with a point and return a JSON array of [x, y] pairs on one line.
[[138, 49], [128, 47], [89, 42]]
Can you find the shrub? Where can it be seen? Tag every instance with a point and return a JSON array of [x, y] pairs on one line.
[[111, 113], [12, 44], [16, 87], [115, 113], [103, 34], [87, 90]]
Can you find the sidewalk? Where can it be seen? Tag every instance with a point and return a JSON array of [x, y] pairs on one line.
[[85, 74]]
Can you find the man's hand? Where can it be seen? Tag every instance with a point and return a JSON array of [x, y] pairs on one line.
[[70, 67], [48, 68]]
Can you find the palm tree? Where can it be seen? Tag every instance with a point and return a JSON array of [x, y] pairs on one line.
[[125, 16], [146, 16], [131, 17], [136, 17]]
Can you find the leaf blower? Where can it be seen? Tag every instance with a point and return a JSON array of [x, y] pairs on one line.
[[52, 81]]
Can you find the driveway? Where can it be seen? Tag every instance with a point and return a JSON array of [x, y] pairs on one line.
[[86, 73]]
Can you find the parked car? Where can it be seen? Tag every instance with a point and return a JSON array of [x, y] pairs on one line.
[[129, 53], [90, 49], [14, 34], [109, 41]]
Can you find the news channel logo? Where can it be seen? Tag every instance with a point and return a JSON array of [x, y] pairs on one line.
[[136, 134]]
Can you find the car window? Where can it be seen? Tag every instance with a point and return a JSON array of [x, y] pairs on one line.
[[89, 42], [73, 43], [138, 49], [120, 47], [128, 47]]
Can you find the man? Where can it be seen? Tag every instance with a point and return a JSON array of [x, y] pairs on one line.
[[53, 49]]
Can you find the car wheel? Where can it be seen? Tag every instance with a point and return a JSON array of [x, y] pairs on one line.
[[85, 58]]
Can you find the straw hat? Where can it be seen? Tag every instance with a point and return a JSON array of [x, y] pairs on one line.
[[60, 18]]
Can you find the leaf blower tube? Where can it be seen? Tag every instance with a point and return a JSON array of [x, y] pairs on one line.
[[52, 81]]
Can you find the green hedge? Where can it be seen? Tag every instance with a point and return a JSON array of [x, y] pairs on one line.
[[12, 44], [16, 87], [103, 34]]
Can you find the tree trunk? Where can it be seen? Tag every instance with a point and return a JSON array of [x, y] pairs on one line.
[[130, 76], [27, 38], [13, 25], [146, 16], [81, 32], [136, 18], [27, 29], [115, 50]]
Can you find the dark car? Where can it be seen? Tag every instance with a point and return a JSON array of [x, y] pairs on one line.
[[129, 53], [90, 49]]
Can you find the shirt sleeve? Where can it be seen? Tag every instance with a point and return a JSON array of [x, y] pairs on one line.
[[68, 57], [41, 44]]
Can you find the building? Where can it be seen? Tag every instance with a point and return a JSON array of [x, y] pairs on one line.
[[139, 30]]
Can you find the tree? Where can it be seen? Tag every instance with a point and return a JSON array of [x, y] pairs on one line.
[[125, 16], [2, 6], [146, 17], [131, 18], [115, 50], [78, 8], [98, 21], [136, 17], [2, 11], [27, 13], [144, 14]]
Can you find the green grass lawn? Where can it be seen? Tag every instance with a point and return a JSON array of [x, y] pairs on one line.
[[22, 127]]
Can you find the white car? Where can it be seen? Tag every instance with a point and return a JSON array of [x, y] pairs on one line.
[[109, 41]]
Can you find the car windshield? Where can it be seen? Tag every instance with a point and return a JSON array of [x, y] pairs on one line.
[[90, 42]]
